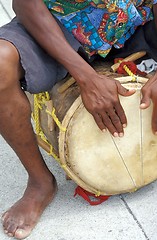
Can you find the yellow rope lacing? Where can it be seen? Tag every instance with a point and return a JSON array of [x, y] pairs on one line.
[[51, 152], [130, 73], [53, 115], [97, 194], [39, 100]]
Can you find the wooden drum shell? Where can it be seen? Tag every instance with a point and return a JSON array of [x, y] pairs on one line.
[[96, 161]]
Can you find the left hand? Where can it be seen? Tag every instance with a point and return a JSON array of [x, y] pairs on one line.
[[149, 93]]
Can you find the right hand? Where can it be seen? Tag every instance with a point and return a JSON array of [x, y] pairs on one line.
[[100, 98], [149, 93]]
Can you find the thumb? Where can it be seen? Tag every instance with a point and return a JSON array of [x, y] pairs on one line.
[[124, 91], [145, 101]]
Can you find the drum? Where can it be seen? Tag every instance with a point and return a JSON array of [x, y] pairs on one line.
[[96, 161]]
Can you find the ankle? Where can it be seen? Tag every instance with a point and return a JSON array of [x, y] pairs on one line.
[[40, 182]]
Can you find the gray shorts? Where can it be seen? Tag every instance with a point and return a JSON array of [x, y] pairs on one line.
[[41, 70]]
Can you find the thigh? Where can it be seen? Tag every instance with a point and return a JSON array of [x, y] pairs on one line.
[[10, 66], [41, 71]]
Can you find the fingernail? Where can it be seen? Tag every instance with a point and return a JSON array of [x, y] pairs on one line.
[[19, 232], [115, 134], [10, 234], [121, 134], [104, 130], [124, 125], [142, 105]]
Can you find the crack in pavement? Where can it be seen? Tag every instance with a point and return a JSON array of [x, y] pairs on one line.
[[134, 217]]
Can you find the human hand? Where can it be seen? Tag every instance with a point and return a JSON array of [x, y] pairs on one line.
[[149, 92], [100, 97]]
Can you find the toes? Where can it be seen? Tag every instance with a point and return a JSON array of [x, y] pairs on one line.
[[11, 229], [4, 216], [10, 234], [22, 233], [6, 231], [9, 225], [6, 224]]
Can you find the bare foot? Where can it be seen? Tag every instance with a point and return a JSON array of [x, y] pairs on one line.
[[22, 217]]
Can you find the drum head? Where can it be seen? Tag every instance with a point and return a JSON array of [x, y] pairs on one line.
[[103, 164]]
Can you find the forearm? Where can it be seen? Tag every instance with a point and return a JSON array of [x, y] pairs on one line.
[[39, 22]]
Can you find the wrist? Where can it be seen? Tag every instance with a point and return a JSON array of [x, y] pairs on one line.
[[82, 72]]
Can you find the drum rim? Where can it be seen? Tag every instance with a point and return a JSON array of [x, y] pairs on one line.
[[62, 137]]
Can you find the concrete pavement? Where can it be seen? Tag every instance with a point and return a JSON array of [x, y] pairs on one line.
[[123, 217]]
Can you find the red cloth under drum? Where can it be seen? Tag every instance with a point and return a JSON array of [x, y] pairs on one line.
[[86, 195]]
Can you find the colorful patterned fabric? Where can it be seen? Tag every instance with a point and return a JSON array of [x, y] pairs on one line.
[[100, 24]]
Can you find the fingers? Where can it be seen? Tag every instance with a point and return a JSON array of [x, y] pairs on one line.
[[99, 122], [111, 121], [149, 93], [145, 100], [117, 116], [154, 119], [123, 91], [103, 103], [121, 114], [154, 113]]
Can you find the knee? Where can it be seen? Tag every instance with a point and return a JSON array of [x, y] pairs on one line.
[[9, 64]]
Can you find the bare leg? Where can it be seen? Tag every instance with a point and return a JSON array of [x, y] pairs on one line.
[[16, 128]]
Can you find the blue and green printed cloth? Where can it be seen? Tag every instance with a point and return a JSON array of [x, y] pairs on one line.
[[100, 24]]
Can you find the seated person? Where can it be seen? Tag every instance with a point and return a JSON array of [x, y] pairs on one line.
[[38, 47]]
